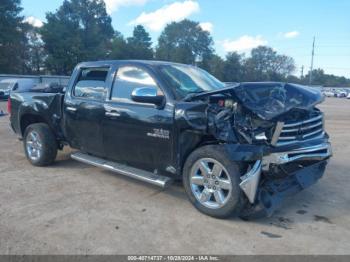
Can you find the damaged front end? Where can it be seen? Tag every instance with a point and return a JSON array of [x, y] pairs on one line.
[[274, 129]]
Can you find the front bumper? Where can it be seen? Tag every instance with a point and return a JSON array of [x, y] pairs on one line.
[[4, 94], [265, 188], [310, 153]]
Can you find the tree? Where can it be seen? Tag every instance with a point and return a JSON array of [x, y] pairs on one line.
[[36, 55], [319, 77], [233, 67], [183, 42], [265, 64], [216, 67], [118, 47], [293, 79], [12, 37], [140, 44], [79, 30]]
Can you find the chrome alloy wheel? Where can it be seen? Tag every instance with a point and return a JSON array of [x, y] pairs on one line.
[[34, 146], [210, 183]]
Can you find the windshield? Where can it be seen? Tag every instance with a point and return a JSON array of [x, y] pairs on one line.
[[188, 79], [5, 86]]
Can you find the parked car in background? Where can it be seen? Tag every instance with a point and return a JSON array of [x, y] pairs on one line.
[[328, 94], [342, 94], [5, 88], [348, 96], [13, 84]]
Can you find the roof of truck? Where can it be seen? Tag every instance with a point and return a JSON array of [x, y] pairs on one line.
[[142, 62]]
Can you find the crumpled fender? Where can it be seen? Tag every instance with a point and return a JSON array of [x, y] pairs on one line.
[[197, 125], [244, 152], [45, 106]]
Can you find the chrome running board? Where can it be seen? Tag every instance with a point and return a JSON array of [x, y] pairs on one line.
[[136, 173]]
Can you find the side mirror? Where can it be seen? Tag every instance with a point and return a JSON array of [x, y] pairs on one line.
[[147, 95]]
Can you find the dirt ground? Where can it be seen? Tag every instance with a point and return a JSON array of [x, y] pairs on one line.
[[72, 208]]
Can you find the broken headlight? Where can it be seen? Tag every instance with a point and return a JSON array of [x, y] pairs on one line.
[[260, 137]]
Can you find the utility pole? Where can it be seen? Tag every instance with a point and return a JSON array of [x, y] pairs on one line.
[[312, 61], [302, 72]]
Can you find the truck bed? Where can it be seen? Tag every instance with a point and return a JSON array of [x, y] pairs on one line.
[[40, 105]]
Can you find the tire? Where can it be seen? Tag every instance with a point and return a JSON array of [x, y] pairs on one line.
[[40, 145], [231, 198]]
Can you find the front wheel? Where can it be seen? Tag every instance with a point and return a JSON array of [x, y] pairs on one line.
[[211, 181], [40, 144]]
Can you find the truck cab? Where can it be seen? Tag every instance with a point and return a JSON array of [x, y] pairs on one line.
[[120, 112]]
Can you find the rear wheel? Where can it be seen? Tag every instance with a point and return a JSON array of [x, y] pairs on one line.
[[211, 181], [40, 144]]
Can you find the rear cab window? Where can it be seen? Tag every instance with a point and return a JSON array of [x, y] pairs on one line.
[[91, 83]]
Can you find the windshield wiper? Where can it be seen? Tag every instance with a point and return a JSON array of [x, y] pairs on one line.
[[191, 95], [194, 95]]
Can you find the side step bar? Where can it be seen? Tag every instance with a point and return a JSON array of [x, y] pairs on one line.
[[139, 174]]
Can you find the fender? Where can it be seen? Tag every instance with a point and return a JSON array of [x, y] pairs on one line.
[[244, 152], [35, 108]]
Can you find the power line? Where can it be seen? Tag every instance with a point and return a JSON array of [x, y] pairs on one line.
[[332, 55], [323, 55], [338, 68], [305, 46]]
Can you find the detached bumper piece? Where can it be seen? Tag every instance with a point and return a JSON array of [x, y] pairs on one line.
[[280, 175], [311, 153]]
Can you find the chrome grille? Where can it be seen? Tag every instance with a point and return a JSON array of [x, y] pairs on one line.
[[293, 132]]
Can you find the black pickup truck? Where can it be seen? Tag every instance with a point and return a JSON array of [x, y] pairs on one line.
[[240, 149]]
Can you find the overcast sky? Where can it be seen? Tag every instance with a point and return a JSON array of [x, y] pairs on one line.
[[240, 25]]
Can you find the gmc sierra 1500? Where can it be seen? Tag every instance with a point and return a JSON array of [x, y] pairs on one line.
[[239, 149]]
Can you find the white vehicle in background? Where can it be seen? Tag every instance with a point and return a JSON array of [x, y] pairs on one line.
[[342, 94], [5, 88], [328, 94], [348, 97], [15, 84]]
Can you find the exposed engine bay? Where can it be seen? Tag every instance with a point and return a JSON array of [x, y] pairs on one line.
[[249, 112]]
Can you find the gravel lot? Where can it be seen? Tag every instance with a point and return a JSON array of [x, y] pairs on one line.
[[72, 208]]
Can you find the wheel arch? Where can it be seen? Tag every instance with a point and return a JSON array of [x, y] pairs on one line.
[[236, 152], [29, 119], [190, 141]]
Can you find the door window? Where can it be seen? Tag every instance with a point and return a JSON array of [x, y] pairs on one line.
[[91, 83], [128, 78]]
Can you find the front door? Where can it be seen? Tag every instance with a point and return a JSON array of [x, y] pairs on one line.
[[137, 134]]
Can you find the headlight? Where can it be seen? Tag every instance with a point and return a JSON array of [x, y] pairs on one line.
[[260, 137]]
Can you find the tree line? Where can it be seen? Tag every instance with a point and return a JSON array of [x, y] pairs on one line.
[[81, 30]]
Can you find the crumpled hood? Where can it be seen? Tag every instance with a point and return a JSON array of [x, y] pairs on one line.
[[244, 111], [269, 100]]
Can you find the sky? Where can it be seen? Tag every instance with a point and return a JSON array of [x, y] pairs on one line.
[[240, 25]]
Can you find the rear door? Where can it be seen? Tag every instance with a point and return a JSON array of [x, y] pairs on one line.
[[137, 134], [84, 110]]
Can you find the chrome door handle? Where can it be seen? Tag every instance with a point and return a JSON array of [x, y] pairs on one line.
[[112, 113], [72, 109]]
